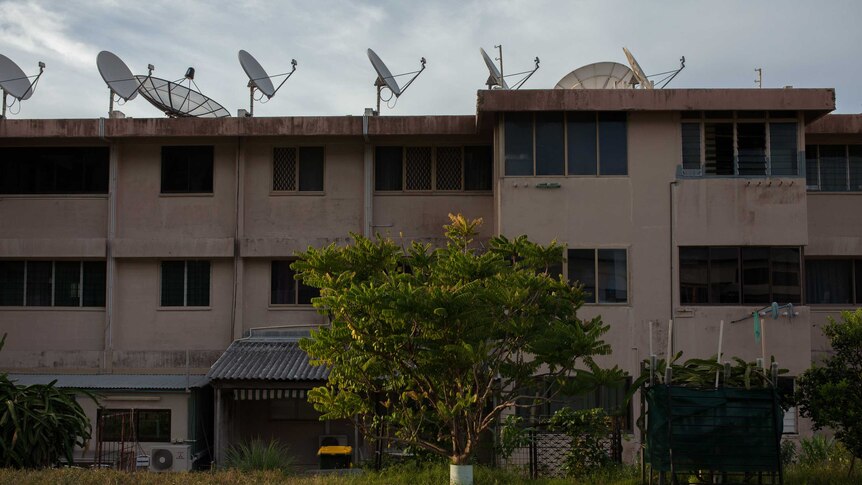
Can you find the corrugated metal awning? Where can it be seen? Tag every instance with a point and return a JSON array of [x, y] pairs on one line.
[[267, 359], [265, 394], [171, 382]]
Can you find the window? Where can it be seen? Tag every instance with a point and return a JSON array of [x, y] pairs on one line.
[[425, 168], [610, 397], [834, 168], [576, 143], [602, 272], [285, 289], [297, 169], [833, 281], [185, 283], [187, 169], [743, 143], [739, 275], [52, 283], [786, 387], [142, 425], [54, 170]]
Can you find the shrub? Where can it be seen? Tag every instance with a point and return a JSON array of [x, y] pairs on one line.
[[589, 430], [257, 455], [822, 450], [788, 452]]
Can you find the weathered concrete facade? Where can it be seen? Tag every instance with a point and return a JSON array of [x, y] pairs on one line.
[[243, 224]]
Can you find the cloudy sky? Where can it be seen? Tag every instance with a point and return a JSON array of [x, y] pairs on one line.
[[799, 43]]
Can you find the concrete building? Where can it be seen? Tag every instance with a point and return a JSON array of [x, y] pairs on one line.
[[140, 250]]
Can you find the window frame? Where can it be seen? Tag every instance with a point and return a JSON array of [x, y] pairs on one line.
[[855, 263], [135, 412], [288, 306], [566, 174], [701, 119], [818, 187], [740, 275], [181, 193], [595, 249], [53, 278], [434, 167], [279, 192], [185, 305]]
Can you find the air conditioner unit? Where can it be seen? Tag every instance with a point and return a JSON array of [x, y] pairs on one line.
[[171, 458]]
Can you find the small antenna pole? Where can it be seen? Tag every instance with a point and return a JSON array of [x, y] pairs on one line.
[[250, 98], [3, 116], [759, 80], [500, 52], [379, 88]]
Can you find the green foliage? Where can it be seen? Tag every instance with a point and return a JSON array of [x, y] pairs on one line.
[[589, 430], [831, 393], [789, 453], [820, 450], [39, 424], [701, 373], [423, 341], [257, 455], [513, 435]]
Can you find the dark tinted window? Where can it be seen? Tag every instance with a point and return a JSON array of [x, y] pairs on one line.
[[582, 140], [67, 283], [311, 168], [693, 275], [582, 269], [142, 425], [812, 168], [417, 164], [855, 160], [478, 167], [723, 275], [39, 283], [197, 283], [691, 146], [387, 168], [153, 425], [94, 283], [859, 281], [786, 276], [173, 283], [751, 143], [755, 275], [11, 283], [718, 147], [550, 144], [187, 169], [519, 143], [612, 276], [829, 281], [833, 168], [782, 148], [613, 144], [282, 285], [54, 170]]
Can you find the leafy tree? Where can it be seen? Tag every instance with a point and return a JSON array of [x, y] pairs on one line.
[[429, 346], [589, 430], [39, 424], [830, 393]]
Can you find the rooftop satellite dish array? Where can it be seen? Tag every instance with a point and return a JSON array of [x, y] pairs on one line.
[[14, 82], [182, 98]]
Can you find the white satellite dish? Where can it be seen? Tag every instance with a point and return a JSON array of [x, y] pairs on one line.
[[600, 75], [14, 82], [118, 77], [495, 77], [259, 79], [385, 77], [638, 72]]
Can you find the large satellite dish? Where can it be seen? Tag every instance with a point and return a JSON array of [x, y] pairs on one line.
[[119, 78], [15, 83], [600, 75], [386, 79], [638, 72], [178, 101], [495, 77], [259, 79]]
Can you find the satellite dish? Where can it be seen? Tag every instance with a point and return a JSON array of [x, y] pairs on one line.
[[178, 101], [385, 77], [638, 72], [14, 82], [259, 79], [118, 77], [495, 78], [600, 75]]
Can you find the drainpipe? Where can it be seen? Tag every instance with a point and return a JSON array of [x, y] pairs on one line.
[[671, 244], [368, 178], [235, 330], [110, 262]]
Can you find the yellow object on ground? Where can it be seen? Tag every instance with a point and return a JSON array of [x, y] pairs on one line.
[[335, 450]]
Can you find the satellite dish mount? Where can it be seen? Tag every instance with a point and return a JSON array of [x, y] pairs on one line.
[[259, 80], [386, 79], [643, 79], [497, 77], [14, 82]]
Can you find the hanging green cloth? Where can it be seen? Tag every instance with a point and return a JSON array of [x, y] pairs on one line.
[[757, 327]]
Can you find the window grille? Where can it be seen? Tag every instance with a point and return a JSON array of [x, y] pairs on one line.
[[284, 169], [449, 168], [418, 161]]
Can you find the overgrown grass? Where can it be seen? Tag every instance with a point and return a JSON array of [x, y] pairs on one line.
[[257, 455], [828, 474]]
